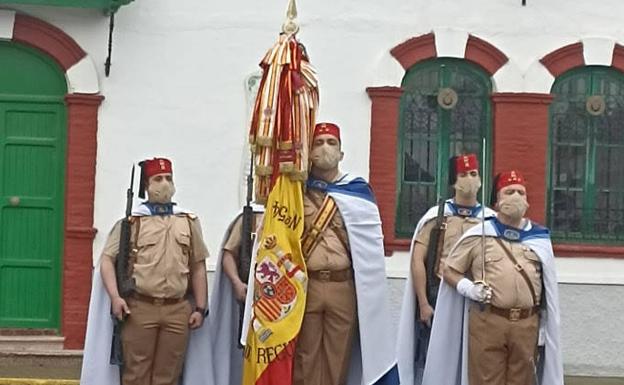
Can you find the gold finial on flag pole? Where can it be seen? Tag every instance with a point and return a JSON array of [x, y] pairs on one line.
[[291, 26]]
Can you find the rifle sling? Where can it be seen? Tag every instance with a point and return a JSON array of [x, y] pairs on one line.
[[520, 270]]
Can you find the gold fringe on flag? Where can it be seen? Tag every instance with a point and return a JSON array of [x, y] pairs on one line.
[[284, 114]]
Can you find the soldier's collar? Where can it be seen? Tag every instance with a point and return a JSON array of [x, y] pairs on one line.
[[161, 209], [513, 234], [464, 211]]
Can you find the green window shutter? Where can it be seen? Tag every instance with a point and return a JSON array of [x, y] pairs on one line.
[[586, 177], [32, 166], [429, 134]]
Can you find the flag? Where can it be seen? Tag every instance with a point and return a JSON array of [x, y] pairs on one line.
[[282, 124], [279, 289]]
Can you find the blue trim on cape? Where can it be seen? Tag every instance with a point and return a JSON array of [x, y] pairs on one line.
[[455, 209], [161, 209], [356, 187], [517, 235], [390, 378]]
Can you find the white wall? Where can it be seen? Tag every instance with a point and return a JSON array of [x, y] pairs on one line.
[[176, 87]]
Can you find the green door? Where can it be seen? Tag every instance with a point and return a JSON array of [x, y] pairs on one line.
[[32, 166]]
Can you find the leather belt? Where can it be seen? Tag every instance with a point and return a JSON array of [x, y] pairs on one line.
[[331, 275], [155, 300], [514, 314]]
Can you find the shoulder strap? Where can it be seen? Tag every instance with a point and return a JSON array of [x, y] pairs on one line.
[[321, 220], [520, 269]]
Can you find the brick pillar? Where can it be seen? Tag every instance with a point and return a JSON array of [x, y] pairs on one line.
[[82, 113], [521, 142], [383, 155]]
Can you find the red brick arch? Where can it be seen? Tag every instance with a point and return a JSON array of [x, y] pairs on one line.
[[385, 121], [82, 123]]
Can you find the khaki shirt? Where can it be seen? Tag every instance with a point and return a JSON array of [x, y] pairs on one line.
[[509, 289], [233, 243], [456, 226], [330, 253], [163, 248]]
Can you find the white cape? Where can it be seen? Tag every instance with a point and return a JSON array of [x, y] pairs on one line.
[[223, 322], [409, 328], [373, 360], [373, 357], [447, 356], [96, 369]]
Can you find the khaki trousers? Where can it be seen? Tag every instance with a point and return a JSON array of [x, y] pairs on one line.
[[501, 352], [324, 344], [154, 340]]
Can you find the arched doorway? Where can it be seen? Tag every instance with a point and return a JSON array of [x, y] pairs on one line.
[[32, 168], [76, 93]]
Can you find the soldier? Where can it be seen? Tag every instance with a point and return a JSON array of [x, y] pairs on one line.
[[228, 299], [167, 262], [427, 256], [505, 271], [346, 300]]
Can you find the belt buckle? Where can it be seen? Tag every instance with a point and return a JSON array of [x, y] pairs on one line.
[[159, 301], [324, 275], [514, 314]]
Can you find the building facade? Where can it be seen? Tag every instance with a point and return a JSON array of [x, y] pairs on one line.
[[409, 82]]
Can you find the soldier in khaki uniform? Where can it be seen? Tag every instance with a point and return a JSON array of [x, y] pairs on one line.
[[324, 342], [503, 329], [167, 262], [459, 214], [231, 255]]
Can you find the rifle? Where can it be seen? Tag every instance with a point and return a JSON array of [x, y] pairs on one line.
[[244, 255], [434, 248], [125, 283]]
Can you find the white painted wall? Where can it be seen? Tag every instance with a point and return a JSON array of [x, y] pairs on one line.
[[177, 82], [177, 90]]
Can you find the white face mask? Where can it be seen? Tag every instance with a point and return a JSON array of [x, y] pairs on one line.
[[514, 206], [326, 157], [468, 185], [160, 191]]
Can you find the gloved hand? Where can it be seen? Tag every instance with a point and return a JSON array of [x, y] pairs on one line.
[[476, 292]]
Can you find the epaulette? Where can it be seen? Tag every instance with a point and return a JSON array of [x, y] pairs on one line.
[[190, 216]]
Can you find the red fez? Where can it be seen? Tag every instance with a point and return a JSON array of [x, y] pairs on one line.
[[326, 129], [508, 178], [156, 166], [465, 163]]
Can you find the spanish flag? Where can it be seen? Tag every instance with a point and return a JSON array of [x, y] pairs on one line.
[[279, 290], [282, 122]]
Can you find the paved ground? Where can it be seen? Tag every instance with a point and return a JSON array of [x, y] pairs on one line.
[[69, 368]]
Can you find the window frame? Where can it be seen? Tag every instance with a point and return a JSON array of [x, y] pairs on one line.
[[443, 142]]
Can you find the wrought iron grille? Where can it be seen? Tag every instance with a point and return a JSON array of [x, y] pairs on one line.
[[586, 189], [429, 134]]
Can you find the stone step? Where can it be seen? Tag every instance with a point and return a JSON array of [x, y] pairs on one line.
[[51, 364], [26, 343]]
